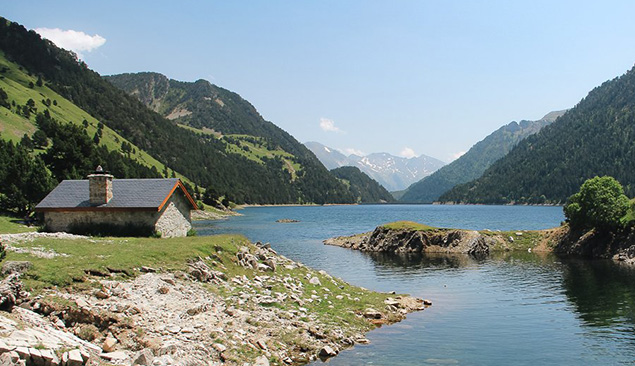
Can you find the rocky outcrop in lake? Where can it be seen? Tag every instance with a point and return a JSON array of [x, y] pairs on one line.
[[408, 240]]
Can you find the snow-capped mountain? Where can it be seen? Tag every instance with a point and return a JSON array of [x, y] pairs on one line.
[[393, 172]]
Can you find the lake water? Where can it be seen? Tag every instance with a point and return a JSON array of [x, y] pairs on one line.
[[509, 309]]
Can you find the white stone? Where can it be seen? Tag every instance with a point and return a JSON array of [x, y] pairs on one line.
[[261, 361]]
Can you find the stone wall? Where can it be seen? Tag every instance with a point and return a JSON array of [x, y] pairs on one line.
[[64, 220], [174, 219]]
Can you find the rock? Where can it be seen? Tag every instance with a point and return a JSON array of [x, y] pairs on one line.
[[10, 291], [287, 221], [167, 349], [261, 361], [11, 359], [326, 352], [164, 290], [145, 269], [271, 263], [36, 357], [109, 344], [372, 314], [262, 344], [427, 302], [18, 267], [100, 294], [49, 357], [219, 347], [116, 356], [173, 329], [143, 357], [315, 281], [74, 358]]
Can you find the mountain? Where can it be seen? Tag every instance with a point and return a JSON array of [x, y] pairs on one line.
[[595, 138], [393, 172], [270, 167], [364, 188], [474, 162], [331, 158]]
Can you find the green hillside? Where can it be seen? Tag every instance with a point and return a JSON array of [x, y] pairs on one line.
[[474, 162], [364, 188], [596, 137], [204, 158], [203, 106], [21, 87]]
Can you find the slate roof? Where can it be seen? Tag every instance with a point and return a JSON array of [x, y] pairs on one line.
[[145, 194]]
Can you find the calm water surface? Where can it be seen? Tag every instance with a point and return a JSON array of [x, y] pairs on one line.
[[510, 309]]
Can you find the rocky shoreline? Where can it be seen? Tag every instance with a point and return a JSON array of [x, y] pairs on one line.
[[561, 240], [267, 310]]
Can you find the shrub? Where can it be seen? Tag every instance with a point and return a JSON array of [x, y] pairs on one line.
[[599, 204]]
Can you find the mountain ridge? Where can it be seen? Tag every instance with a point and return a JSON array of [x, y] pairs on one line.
[[393, 172], [476, 160], [594, 138]]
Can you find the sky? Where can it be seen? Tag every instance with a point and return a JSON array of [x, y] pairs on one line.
[[407, 77]]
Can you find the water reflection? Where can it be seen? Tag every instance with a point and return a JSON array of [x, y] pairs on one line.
[[602, 291]]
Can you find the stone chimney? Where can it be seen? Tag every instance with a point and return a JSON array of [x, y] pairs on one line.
[[100, 186]]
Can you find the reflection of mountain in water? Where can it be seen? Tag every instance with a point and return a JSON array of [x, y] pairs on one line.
[[603, 292]]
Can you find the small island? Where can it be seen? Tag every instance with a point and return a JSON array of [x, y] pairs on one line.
[[287, 221]]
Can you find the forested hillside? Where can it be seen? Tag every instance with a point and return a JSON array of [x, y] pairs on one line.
[[364, 188], [204, 158], [474, 162], [596, 137]]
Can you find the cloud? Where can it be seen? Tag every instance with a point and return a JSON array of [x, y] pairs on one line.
[[328, 125], [457, 155], [351, 151], [78, 42], [407, 153]]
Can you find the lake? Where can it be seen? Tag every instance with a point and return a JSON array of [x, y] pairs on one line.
[[512, 308]]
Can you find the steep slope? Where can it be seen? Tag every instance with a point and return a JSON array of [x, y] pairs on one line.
[[20, 88], [363, 188], [393, 172], [224, 116], [596, 137], [473, 163], [205, 159]]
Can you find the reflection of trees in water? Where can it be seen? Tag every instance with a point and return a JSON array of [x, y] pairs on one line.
[[602, 291]]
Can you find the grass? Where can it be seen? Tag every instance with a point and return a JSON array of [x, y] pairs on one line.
[[409, 225], [526, 239], [257, 151], [12, 225], [123, 254]]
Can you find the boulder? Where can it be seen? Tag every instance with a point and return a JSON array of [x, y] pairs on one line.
[[143, 357], [19, 267], [327, 351], [109, 344], [261, 361], [372, 314], [10, 291], [74, 358]]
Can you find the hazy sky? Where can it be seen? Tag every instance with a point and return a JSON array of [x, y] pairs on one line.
[[404, 77]]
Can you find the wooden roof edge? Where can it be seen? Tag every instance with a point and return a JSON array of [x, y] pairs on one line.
[[185, 192]]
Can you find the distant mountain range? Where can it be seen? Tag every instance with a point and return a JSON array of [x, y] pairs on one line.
[[393, 172], [594, 138], [473, 163]]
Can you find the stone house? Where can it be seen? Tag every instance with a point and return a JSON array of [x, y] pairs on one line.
[[122, 206]]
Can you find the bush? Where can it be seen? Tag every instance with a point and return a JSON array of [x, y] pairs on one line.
[[600, 204]]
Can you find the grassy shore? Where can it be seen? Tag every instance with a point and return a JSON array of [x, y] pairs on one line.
[[322, 302]]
